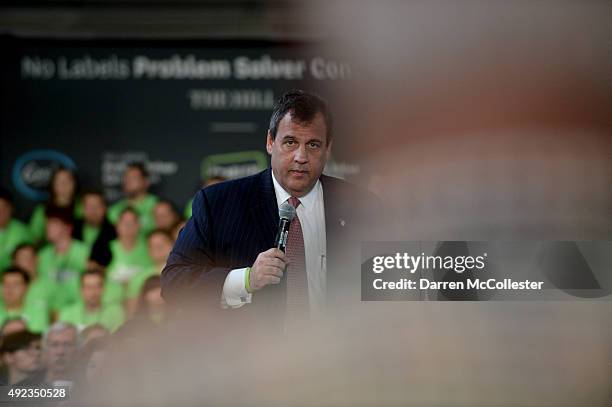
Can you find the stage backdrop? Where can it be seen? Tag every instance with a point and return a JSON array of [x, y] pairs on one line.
[[188, 109]]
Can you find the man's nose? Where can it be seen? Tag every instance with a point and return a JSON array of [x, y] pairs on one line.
[[301, 155]]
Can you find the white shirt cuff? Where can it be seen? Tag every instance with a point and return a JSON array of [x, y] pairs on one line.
[[234, 293]]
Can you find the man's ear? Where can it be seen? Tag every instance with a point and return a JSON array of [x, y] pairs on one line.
[[269, 142]]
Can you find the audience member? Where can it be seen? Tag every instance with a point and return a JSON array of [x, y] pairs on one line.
[[129, 256], [12, 231], [63, 188], [21, 356], [165, 215], [137, 196], [159, 245], [95, 230], [18, 303], [90, 309], [63, 260]]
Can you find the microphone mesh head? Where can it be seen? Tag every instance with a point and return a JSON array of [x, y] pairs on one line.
[[286, 211]]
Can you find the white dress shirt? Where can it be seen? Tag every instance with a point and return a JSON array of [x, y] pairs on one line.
[[311, 212]]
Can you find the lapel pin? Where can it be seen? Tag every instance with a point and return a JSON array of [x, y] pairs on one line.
[[342, 222]]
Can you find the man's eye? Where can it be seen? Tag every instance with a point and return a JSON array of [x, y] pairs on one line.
[[290, 142], [313, 145]]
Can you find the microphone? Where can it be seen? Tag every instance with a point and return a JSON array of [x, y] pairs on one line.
[[286, 213]]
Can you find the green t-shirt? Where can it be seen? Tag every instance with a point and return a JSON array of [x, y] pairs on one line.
[[63, 271], [38, 220], [126, 264], [136, 283], [188, 209], [35, 310], [41, 291], [144, 208], [114, 292], [123, 268], [90, 234], [109, 315], [14, 234]]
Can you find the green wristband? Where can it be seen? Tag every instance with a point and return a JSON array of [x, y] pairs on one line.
[[247, 278]]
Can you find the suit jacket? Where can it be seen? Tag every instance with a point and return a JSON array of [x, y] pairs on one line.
[[234, 221]]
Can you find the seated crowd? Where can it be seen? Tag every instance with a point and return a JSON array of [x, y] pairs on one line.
[[78, 271]]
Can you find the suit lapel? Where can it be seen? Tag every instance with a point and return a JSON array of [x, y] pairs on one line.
[[264, 210]]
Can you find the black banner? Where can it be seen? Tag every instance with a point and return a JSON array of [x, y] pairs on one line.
[[188, 109]]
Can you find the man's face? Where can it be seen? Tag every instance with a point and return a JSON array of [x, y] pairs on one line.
[[26, 360], [6, 211], [61, 348], [94, 209], [128, 226], [299, 153], [26, 259], [164, 215], [57, 230], [13, 289], [134, 183], [91, 290], [159, 248]]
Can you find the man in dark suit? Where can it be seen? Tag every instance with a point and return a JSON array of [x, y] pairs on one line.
[[225, 255]]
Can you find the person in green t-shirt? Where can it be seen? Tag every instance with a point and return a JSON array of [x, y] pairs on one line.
[[94, 212], [12, 232], [26, 258], [165, 215], [90, 310], [129, 256], [159, 245], [136, 187], [63, 189], [18, 304], [63, 260], [95, 230]]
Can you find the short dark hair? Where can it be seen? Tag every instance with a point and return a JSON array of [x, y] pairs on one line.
[[17, 270], [140, 166], [94, 271], [18, 340], [168, 203], [303, 107], [63, 214], [129, 209], [93, 191], [162, 232]]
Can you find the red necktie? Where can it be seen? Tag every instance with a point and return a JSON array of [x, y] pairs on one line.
[[297, 282]]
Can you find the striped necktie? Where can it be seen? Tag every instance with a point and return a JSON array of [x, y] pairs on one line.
[[297, 282]]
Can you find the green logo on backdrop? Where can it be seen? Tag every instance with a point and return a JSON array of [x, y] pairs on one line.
[[233, 165]]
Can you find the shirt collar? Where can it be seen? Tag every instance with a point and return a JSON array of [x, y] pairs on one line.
[[307, 200]]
